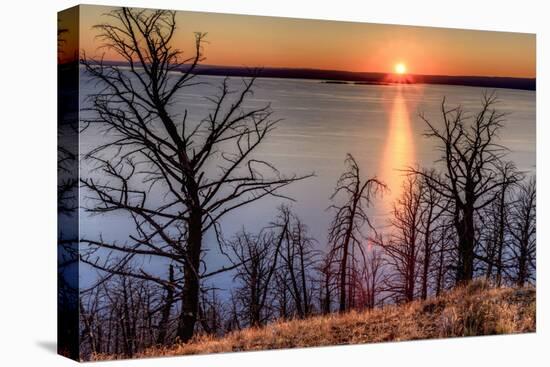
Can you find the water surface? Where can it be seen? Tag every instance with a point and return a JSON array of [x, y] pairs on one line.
[[320, 124]]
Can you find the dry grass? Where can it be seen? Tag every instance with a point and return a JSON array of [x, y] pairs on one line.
[[466, 311]]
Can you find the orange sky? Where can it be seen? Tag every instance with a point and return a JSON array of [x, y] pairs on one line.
[[241, 40], [67, 41]]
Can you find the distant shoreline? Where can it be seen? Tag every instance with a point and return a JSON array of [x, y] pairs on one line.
[[351, 77], [341, 77]]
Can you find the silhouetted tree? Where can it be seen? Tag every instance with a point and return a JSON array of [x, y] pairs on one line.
[[153, 146], [347, 228], [433, 207], [119, 316], [372, 276], [445, 246], [403, 243], [257, 257], [283, 298], [495, 238], [297, 262], [212, 312], [326, 283], [471, 158], [166, 309], [523, 231]]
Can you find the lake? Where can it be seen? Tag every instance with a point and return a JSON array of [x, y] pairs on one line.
[[320, 123]]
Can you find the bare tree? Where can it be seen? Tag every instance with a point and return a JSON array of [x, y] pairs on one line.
[[433, 208], [326, 283], [347, 228], [403, 245], [444, 248], [297, 261], [373, 276], [257, 256], [154, 146], [523, 231], [166, 308], [471, 157], [283, 298], [91, 326], [119, 316], [212, 312], [494, 241]]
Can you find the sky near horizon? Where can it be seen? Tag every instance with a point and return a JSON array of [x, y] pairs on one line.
[[258, 41]]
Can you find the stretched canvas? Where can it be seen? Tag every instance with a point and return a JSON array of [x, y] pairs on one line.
[[235, 183]]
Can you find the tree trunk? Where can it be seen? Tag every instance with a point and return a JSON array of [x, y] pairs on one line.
[[190, 302], [409, 291], [501, 228], [293, 281], [304, 285], [425, 272], [254, 316], [439, 282], [326, 299], [427, 256], [346, 245], [163, 324], [522, 260], [343, 273], [126, 324], [466, 243]]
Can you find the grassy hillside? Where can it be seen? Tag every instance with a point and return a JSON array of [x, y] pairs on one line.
[[466, 311]]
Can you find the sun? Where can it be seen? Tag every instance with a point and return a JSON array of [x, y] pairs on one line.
[[400, 68]]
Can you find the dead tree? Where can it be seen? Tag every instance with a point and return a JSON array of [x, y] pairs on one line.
[[347, 227], [433, 207], [470, 157], [167, 304], [212, 313], [326, 284], [523, 231], [372, 276], [445, 239], [283, 298], [90, 325], [494, 218], [257, 256], [403, 245], [297, 261], [119, 316], [155, 147]]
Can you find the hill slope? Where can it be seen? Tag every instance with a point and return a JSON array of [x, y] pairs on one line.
[[466, 311]]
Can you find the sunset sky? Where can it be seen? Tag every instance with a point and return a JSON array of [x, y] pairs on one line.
[[240, 40]]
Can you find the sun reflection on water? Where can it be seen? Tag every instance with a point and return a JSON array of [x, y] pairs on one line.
[[399, 151]]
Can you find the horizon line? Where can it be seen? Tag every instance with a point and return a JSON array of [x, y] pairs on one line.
[[305, 68]]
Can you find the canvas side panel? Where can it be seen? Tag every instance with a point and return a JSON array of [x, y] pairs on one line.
[[67, 182]]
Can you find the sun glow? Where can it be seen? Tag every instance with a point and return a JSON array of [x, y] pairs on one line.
[[399, 151], [400, 68]]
